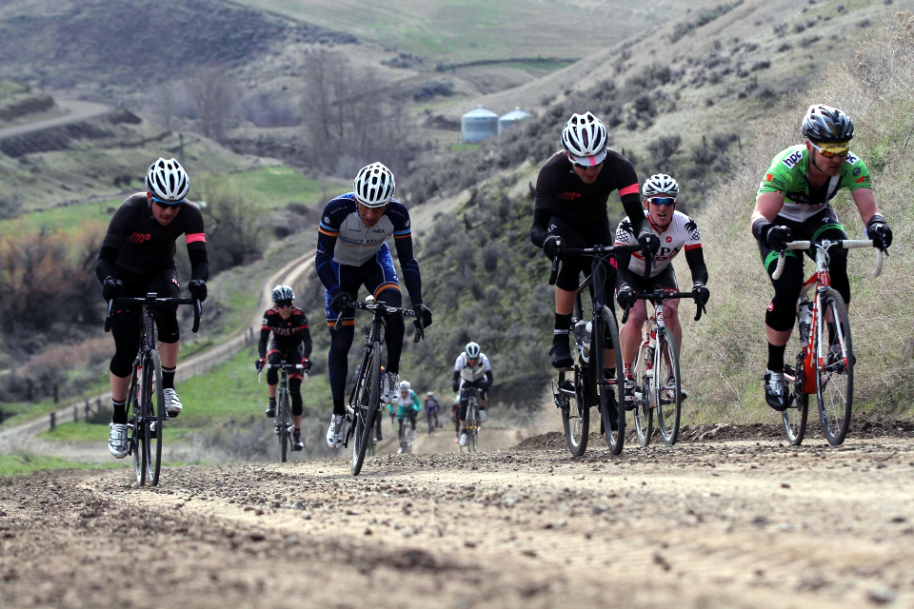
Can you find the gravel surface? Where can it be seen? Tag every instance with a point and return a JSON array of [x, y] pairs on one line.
[[708, 524]]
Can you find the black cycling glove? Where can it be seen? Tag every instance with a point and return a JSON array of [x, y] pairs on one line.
[[878, 230], [197, 289], [111, 289]]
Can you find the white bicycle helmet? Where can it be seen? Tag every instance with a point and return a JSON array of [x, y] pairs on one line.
[[374, 185], [584, 138], [283, 292], [167, 181], [472, 350], [660, 184], [404, 386]]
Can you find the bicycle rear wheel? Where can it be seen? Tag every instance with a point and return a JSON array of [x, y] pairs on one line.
[[608, 391], [135, 435], [282, 421], [834, 367], [642, 397], [795, 416], [366, 406], [155, 417], [575, 413], [667, 386]]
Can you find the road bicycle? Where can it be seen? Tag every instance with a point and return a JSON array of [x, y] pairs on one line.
[[406, 434], [473, 423], [590, 382], [283, 420], [432, 416], [364, 403], [656, 383], [825, 360], [145, 397]]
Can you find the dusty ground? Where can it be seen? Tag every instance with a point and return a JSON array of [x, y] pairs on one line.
[[707, 524]]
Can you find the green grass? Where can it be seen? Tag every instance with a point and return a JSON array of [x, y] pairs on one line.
[[24, 463], [276, 186], [70, 220], [8, 88], [98, 433], [464, 147], [24, 411]]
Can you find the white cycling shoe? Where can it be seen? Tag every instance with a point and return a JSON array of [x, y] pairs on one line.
[[390, 386], [117, 440], [463, 439], [335, 431], [172, 403]]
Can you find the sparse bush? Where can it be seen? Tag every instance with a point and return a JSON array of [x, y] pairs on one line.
[[785, 46], [809, 41]]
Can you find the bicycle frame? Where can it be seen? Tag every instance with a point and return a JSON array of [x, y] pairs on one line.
[[820, 280]]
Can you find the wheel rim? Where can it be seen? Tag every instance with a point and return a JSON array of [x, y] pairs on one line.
[[667, 386], [835, 372], [642, 399]]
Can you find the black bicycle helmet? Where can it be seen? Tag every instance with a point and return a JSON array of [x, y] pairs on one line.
[[826, 124]]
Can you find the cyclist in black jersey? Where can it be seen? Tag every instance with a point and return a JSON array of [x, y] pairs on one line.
[[572, 190], [137, 257], [291, 343]]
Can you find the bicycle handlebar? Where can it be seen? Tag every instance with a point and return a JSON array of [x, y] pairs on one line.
[[659, 295], [599, 250], [151, 300], [383, 308], [845, 243]]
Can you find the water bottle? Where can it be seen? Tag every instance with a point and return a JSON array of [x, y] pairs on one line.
[[649, 352], [804, 317], [582, 330]]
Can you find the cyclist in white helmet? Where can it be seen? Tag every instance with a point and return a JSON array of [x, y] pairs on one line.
[[677, 232], [408, 407], [572, 191], [352, 252], [138, 256], [471, 370]]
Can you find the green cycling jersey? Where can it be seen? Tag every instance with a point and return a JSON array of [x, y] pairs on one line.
[[788, 173]]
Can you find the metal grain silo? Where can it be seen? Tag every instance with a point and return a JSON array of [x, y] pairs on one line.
[[478, 124], [510, 118]]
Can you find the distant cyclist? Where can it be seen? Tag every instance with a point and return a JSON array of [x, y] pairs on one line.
[[431, 411], [408, 406], [471, 370], [351, 252], [572, 191], [137, 257], [291, 343], [793, 204], [677, 232]]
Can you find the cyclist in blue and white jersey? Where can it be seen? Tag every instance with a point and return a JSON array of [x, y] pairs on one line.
[[351, 252]]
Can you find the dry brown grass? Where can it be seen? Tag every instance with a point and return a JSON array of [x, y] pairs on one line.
[[725, 353]]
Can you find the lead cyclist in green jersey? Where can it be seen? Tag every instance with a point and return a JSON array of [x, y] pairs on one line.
[[793, 203]]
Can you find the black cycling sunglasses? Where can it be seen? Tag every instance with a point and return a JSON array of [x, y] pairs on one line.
[[282, 304]]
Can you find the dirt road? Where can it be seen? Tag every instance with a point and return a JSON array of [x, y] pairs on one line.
[[740, 524]]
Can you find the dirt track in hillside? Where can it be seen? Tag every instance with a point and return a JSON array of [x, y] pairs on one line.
[[736, 523]]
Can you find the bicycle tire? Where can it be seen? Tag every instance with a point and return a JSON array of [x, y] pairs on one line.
[[366, 407], [575, 415], [795, 416], [282, 420], [471, 426], [609, 397], [155, 424], [834, 381], [667, 383], [643, 397], [135, 429]]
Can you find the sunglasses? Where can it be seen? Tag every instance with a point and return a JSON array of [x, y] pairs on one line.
[[164, 203], [829, 154], [284, 304], [662, 201]]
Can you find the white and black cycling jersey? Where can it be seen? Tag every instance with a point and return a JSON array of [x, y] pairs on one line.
[[682, 233], [472, 373]]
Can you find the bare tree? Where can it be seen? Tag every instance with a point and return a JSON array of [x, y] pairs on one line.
[[214, 93]]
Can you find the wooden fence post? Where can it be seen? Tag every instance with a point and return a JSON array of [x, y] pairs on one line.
[[53, 420], [76, 414]]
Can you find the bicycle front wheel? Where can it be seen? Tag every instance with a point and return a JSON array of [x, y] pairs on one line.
[[472, 426], [609, 392], [834, 367], [667, 386], [575, 413], [155, 413], [135, 434], [366, 407], [282, 421], [642, 396]]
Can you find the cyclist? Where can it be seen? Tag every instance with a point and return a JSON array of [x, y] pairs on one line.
[[572, 190], [138, 256], [408, 407], [471, 370], [793, 204], [676, 232], [351, 252], [431, 411], [291, 343]]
